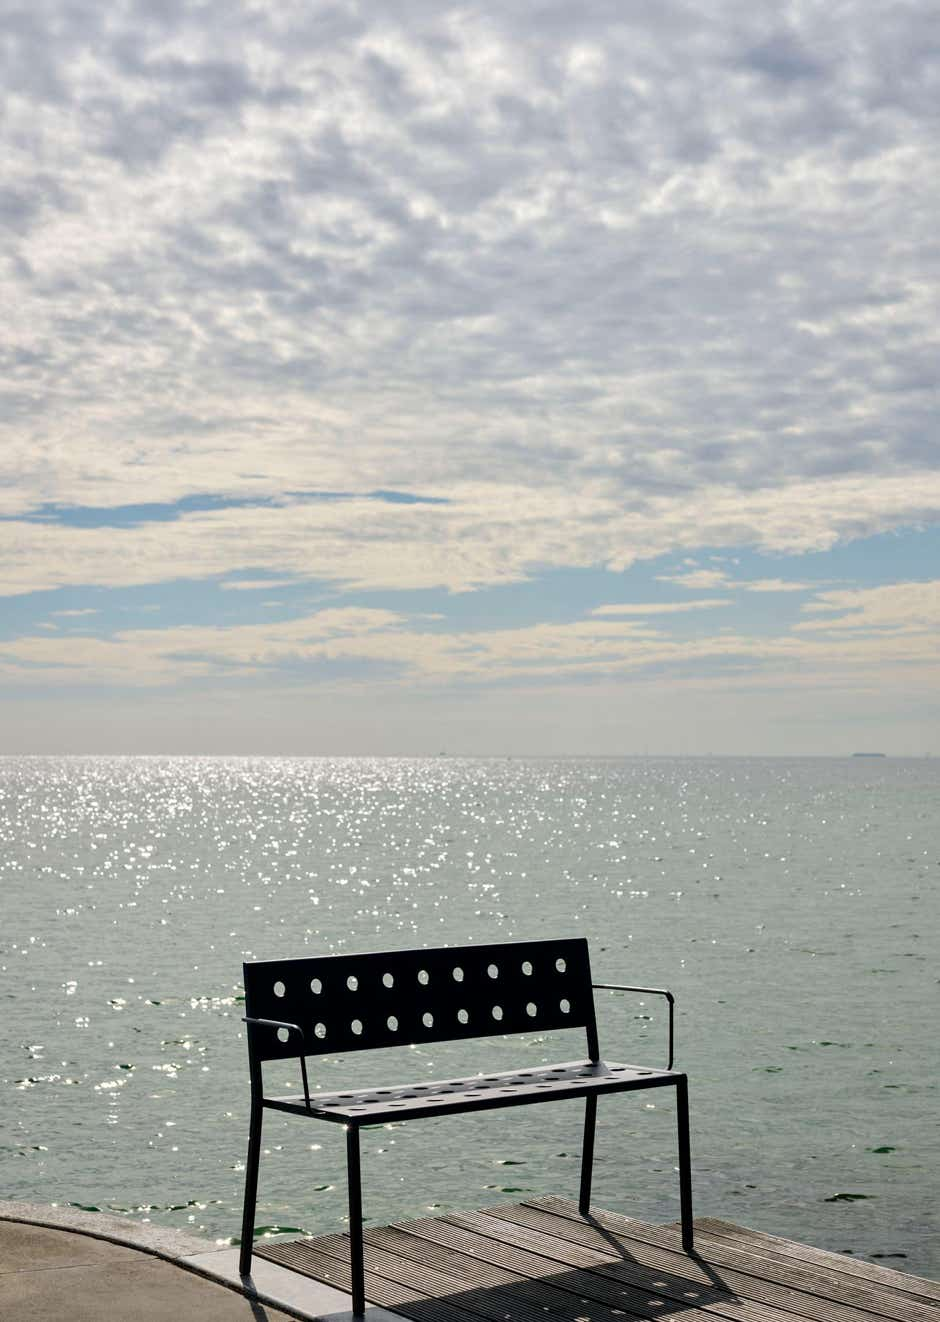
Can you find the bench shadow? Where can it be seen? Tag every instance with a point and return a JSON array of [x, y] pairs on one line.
[[432, 1281], [586, 1295], [616, 1245], [599, 1293], [259, 1311]]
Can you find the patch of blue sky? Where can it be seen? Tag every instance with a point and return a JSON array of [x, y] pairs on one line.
[[560, 596], [404, 498], [132, 516], [892, 557], [106, 611], [28, 611], [554, 596], [563, 596]]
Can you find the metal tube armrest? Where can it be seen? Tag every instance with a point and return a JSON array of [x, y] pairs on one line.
[[291, 1028], [649, 991]]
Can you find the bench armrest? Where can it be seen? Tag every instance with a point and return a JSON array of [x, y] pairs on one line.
[[291, 1028], [274, 1023], [649, 991]]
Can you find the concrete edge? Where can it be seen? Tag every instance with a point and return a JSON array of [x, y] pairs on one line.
[[216, 1263], [293, 1292], [160, 1241]]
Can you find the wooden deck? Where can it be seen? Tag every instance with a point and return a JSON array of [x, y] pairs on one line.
[[540, 1261]]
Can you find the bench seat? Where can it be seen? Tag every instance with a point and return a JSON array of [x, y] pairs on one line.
[[573, 1078]]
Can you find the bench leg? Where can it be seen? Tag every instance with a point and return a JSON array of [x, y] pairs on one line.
[[685, 1161], [251, 1189], [587, 1155], [356, 1268]]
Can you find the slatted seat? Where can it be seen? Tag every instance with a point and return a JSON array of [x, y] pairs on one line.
[[575, 1078], [340, 1003]]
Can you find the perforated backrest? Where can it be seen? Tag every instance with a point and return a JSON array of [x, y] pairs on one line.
[[358, 1002]]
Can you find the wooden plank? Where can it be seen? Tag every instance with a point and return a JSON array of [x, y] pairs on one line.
[[642, 1291], [791, 1288], [389, 1276], [482, 1288], [580, 1282], [302, 1256], [758, 1241], [448, 1257], [704, 1288], [856, 1269], [540, 1261], [815, 1278], [559, 1294], [480, 1242]]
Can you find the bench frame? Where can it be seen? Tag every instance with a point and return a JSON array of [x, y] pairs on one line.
[[338, 1003]]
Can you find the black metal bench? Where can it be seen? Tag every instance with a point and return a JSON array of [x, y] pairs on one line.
[[340, 1003]]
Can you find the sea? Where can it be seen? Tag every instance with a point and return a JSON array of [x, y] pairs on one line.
[[790, 904]]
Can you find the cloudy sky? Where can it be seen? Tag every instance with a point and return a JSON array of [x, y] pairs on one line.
[[517, 377]]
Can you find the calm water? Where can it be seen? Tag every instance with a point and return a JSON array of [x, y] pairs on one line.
[[790, 904]]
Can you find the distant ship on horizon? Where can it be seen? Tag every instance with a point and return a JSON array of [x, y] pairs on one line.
[[869, 754]]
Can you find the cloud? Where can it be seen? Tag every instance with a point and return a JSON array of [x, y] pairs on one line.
[[896, 610], [429, 296], [783, 58], [256, 584], [774, 585], [663, 607], [657, 253], [486, 535], [698, 578], [155, 657], [879, 634]]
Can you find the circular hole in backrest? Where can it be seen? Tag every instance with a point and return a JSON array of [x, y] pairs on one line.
[[532, 1009], [427, 1019], [283, 1035], [463, 1017], [560, 965], [564, 1006], [319, 1030], [392, 1024], [424, 977], [280, 989], [316, 986], [352, 982], [527, 967], [492, 970], [458, 975], [356, 1027], [388, 980], [497, 1012]]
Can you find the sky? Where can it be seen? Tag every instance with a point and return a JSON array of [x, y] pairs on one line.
[[493, 378]]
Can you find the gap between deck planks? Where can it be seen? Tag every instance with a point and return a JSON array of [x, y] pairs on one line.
[[541, 1261]]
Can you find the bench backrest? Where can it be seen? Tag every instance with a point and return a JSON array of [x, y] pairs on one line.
[[360, 1002]]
